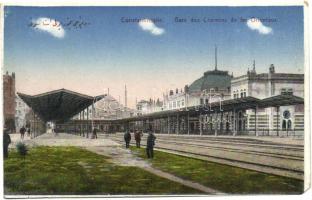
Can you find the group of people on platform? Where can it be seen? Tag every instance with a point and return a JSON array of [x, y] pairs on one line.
[[150, 141]]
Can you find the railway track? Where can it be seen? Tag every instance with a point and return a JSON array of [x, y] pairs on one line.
[[253, 152], [278, 151], [274, 158], [256, 143]]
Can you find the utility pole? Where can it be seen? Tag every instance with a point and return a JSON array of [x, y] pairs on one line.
[[216, 58], [126, 96]]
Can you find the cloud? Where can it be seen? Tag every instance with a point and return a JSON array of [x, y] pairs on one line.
[[256, 24], [6, 12], [149, 26], [51, 26]]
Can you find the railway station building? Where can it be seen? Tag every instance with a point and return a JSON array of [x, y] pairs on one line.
[[269, 85], [264, 104]]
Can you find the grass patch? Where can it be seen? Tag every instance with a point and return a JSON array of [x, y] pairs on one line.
[[224, 178], [71, 170]]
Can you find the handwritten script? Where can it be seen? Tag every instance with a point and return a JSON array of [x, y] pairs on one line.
[[68, 23]]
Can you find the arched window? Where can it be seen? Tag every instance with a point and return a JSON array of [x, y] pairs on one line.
[[284, 125], [289, 124], [221, 126], [240, 115], [227, 126]]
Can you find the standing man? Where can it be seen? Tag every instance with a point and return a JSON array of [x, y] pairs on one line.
[[94, 133], [22, 132], [6, 142], [28, 131], [150, 144], [127, 138], [137, 136]]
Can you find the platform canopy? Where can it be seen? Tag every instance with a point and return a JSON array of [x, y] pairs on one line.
[[281, 100], [226, 105], [58, 105]]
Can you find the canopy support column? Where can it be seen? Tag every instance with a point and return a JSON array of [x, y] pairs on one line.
[[216, 125], [188, 123], [256, 133], [168, 125], [200, 125], [234, 123], [88, 122], [83, 127], [80, 124], [277, 120], [178, 125]]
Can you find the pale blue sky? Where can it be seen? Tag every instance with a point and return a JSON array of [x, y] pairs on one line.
[[109, 53]]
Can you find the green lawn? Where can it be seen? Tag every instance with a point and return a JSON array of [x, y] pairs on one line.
[[71, 170], [224, 178]]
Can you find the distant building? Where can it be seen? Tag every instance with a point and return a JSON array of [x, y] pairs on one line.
[[264, 85], [20, 112], [145, 107], [9, 100], [175, 100], [107, 108]]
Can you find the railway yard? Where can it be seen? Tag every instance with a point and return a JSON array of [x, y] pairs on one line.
[[282, 156]]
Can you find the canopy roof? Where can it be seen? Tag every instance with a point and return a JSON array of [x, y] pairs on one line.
[[58, 105], [281, 100], [227, 105]]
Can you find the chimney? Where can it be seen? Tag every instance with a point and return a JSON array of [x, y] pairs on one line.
[[254, 66], [126, 96], [272, 69], [186, 88]]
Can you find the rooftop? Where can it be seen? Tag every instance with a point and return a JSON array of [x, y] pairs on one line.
[[58, 105], [217, 79]]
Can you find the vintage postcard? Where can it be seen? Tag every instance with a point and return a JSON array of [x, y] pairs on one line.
[[115, 101]]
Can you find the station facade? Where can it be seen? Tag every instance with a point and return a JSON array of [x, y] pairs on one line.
[[265, 104], [265, 85]]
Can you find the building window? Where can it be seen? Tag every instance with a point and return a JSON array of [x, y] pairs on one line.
[[178, 102], [182, 103], [242, 95], [289, 124], [286, 91], [201, 101]]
